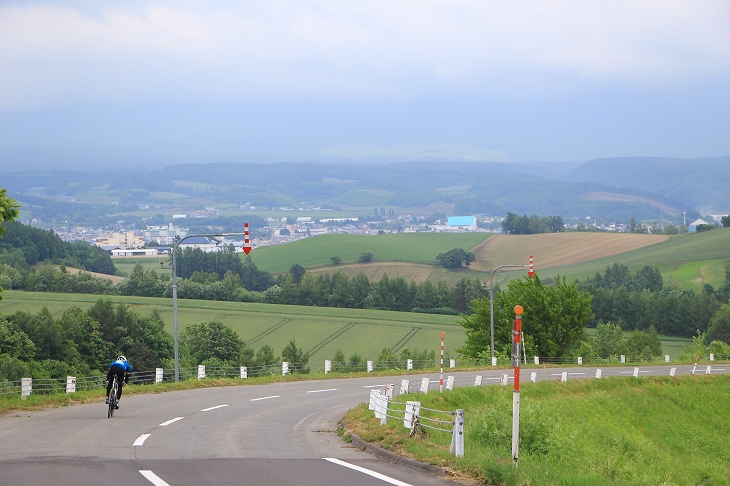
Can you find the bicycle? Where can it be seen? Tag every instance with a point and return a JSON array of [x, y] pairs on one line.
[[113, 402]]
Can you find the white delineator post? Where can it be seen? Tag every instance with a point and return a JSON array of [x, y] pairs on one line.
[[441, 379], [516, 334]]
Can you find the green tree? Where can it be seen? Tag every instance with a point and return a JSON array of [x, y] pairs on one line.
[[554, 318], [719, 329], [366, 257], [296, 358], [14, 342], [8, 212], [609, 340], [387, 359], [455, 258], [338, 362], [204, 340]]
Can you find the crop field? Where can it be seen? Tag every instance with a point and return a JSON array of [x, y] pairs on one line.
[[321, 331], [552, 250], [398, 247], [666, 255]]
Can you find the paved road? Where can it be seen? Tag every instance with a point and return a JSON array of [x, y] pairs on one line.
[[278, 434]]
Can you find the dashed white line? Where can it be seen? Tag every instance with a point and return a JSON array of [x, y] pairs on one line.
[[264, 398], [374, 474], [213, 408], [172, 421], [140, 440], [322, 391], [152, 477]]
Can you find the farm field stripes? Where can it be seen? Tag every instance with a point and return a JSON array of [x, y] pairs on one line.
[[322, 330], [269, 331], [331, 338], [412, 332]]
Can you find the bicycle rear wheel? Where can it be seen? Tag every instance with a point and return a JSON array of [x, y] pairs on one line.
[[112, 398]]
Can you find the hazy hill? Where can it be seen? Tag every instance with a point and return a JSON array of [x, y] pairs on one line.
[[611, 189]]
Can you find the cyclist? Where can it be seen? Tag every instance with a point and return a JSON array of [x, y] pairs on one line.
[[121, 369]]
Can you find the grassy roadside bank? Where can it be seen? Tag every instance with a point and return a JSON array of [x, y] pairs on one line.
[[646, 431]]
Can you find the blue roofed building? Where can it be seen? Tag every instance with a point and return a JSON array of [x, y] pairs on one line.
[[462, 223]]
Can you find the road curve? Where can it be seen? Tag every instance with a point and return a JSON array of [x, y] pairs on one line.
[[278, 434]]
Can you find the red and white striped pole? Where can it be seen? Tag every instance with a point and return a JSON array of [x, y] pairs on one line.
[[531, 272], [517, 340], [246, 241], [441, 381]]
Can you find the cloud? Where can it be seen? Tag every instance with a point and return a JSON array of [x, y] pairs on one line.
[[55, 55]]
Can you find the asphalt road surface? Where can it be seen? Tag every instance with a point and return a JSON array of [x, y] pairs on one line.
[[279, 434]]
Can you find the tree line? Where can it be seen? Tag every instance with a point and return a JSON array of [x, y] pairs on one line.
[[23, 246], [640, 301]]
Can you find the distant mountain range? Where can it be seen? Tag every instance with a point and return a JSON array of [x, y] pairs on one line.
[[646, 188]]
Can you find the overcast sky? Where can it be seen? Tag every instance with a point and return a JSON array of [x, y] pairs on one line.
[[153, 83]]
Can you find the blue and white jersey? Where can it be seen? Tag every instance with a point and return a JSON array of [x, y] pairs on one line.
[[123, 365]]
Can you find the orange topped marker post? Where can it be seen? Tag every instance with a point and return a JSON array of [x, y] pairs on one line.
[[516, 345]]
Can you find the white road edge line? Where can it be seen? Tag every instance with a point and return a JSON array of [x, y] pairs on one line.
[[152, 477], [321, 391], [374, 474], [140, 440], [264, 398], [213, 408], [172, 421]]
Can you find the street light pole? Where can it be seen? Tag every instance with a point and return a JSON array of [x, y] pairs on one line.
[[491, 301], [174, 291]]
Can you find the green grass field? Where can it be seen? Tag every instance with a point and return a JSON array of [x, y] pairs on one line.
[[321, 331], [397, 247], [628, 431]]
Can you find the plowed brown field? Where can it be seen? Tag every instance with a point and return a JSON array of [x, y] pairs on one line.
[[556, 249]]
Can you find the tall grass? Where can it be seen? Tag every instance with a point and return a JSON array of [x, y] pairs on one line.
[[645, 431]]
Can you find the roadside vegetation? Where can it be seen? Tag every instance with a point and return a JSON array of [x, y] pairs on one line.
[[644, 431]]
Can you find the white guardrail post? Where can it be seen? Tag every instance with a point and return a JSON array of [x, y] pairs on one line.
[[244, 372], [452, 363], [409, 364], [424, 385], [478, 380], [404, 386], [457, 437], [201, 372], [284, 368], [26, 387], [159, 375], [413, 410], [370, 366], [450, 382], [327, 366], [70, 384]]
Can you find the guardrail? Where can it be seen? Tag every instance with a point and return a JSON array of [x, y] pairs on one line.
[[418, 418], [70, 384]]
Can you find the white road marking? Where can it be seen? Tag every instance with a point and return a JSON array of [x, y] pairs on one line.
[[374, 474], [140, 440], [172, 421], [321, 391], [213, 408], [264, 398], [152, 477]]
